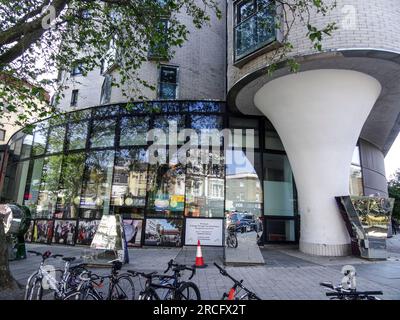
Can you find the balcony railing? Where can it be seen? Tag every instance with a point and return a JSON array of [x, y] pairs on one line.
[[254, 33]]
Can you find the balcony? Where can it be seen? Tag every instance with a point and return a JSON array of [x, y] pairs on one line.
[[253, 33]]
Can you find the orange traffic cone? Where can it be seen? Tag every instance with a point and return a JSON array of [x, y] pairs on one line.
[[199, 257]]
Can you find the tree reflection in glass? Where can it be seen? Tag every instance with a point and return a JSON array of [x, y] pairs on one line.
[[49, 186], [56, 139], [70, 186], [77, 135], [97, 184], [166, 188], [130, 178], [103, 133]]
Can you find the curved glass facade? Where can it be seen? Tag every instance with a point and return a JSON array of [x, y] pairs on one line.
[[127, 159]]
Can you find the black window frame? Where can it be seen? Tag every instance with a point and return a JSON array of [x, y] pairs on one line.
[[162, 82], [74, 98]]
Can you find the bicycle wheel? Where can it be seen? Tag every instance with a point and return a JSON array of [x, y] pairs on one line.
[[149, 294], [123, 288], [81, 295], [34, 289], [188, 291], [232, 241]]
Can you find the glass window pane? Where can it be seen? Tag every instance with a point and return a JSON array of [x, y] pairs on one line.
[[70, 186], [27, 146], [49, 187], [245, 9], [272, 139], [241, 137], [97, 179], [56, 139], [243, 183], [167, 90], [208, 128], [134, 131], [103, 133], [168, 74], [33, 184], [133, 232], [77, 135], [164, 123], [130, 178], [205, 185], [39, 142], [166, 189], [280, 230], [278, 186]]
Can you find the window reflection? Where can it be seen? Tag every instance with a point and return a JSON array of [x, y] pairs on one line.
[[39, 142], [208, 127], [103, 133], [130, 178], [243, 185], [166, 188], [27, 146], [56, 139], [97, 184], [278, 186], [134, 131], [205, 185], [163, 123], [48, 189], [70, 186], [77, 135], [33, 184]]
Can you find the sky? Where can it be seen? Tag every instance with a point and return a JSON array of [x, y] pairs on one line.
[[392, 160]]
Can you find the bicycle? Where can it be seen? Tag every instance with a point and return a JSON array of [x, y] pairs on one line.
[[339, 293], [233, 293], [68, 282], [231, 239], [175, 288], [120, 287]]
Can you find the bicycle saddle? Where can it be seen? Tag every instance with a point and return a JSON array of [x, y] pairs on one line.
[[69, 259]]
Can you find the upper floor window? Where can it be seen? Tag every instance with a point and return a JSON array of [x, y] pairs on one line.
[[77, 69], [168, 83], [74, 98], [254, 26], [106, 89], [158, 48], [2, 135]]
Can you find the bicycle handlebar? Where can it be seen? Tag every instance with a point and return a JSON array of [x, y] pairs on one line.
[[46, 254], [179, 267]]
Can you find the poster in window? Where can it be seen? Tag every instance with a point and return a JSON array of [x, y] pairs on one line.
[[163, 232], [29, 233], [208, 231], [86, 231], [43, 231], [64, 232], [133, 232]]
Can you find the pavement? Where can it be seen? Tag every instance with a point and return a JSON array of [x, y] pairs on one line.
[[286, 275]]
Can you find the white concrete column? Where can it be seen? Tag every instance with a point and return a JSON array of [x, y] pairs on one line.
[[319, 116]]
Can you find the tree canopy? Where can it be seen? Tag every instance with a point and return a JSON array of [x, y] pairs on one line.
[[40, 37]]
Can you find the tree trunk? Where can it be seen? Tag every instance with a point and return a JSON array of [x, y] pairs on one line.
[[6, 279]]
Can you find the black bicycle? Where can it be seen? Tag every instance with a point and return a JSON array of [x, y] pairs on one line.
[[171, 285], [231, 239], [339, 293], [238, 291], [120, 287]]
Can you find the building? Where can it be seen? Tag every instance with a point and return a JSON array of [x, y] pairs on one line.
[[319, 133]]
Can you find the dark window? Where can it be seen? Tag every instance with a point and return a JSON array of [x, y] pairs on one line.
[[255, 26], [158, 48], [74, 98], [2, 135], [77, 69], [168, 83], [106, 89]]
